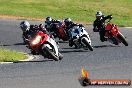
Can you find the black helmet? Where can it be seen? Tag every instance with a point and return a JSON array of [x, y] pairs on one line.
[[48, 20], [67, 21], [24, 25]]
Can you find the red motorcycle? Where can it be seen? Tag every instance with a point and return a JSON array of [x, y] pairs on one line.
[[113, 35], [44, 45], [59, 31]]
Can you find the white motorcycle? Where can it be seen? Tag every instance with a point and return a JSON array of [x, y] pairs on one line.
[[80, 37]]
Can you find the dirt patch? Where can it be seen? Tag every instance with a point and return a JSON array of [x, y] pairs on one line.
[[19, 18], [33, 19]]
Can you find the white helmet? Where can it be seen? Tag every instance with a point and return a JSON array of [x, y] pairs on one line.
[[24, 25], [98, 13]]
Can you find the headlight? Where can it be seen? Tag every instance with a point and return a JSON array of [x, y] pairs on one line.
[[36, 40]]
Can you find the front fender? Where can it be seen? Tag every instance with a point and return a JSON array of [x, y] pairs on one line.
[[51, 44], [86, 38], [47, 45]]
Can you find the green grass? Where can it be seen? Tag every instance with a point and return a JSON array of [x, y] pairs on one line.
[[8, 55], [78, 10]]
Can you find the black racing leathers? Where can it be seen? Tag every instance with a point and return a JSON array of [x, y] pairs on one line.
[[99, 26]]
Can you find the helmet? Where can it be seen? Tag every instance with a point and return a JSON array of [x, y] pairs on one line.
[[48, 20], [24, 25], [67, 21], [98, 14]]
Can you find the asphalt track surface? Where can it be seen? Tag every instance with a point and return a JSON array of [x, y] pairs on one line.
[[107, 61]]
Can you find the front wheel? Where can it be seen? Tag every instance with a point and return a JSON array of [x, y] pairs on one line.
[[122, 39], [85, 41], [51, 54], [60, 56]]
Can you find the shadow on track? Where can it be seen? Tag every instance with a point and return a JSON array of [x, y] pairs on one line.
[[16, 44], [63, 41], [68, 48], [73, 51], [45, 60], [19, 44], [101, 46], [65, 50]]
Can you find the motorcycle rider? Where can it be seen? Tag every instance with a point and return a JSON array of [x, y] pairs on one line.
[[48, 23], [68, 25], [99, 24], [25, 27], [30, 30]]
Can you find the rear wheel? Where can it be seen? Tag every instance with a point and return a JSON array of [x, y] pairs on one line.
[[85, 41], [122, 39], [51, 53]]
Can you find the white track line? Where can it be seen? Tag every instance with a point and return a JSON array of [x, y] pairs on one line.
[[30, 57], [127, 27]]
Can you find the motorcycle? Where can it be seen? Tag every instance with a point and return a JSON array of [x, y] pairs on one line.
[[44, 45], [59, 31], [113, 35], [80, 37]]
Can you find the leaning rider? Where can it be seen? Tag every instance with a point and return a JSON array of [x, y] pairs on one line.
[[99, 24], [30, 30], [49, 24], [68, 25]]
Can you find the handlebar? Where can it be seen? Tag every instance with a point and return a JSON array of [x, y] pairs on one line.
[[110, 18]]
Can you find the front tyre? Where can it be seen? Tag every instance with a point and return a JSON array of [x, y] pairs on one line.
[[85, 41], [51, 54], [60, 56], [122, 39]]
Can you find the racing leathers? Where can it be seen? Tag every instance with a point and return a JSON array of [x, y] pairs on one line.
[[99, 26], [68, 31]]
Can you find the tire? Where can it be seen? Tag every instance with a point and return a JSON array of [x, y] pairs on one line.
[[34, 52], [122, 39], [51, 54], [60, 56], [87, 44], [115, 41]]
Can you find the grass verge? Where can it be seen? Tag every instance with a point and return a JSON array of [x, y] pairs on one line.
[[11, 56], [78, 10]]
